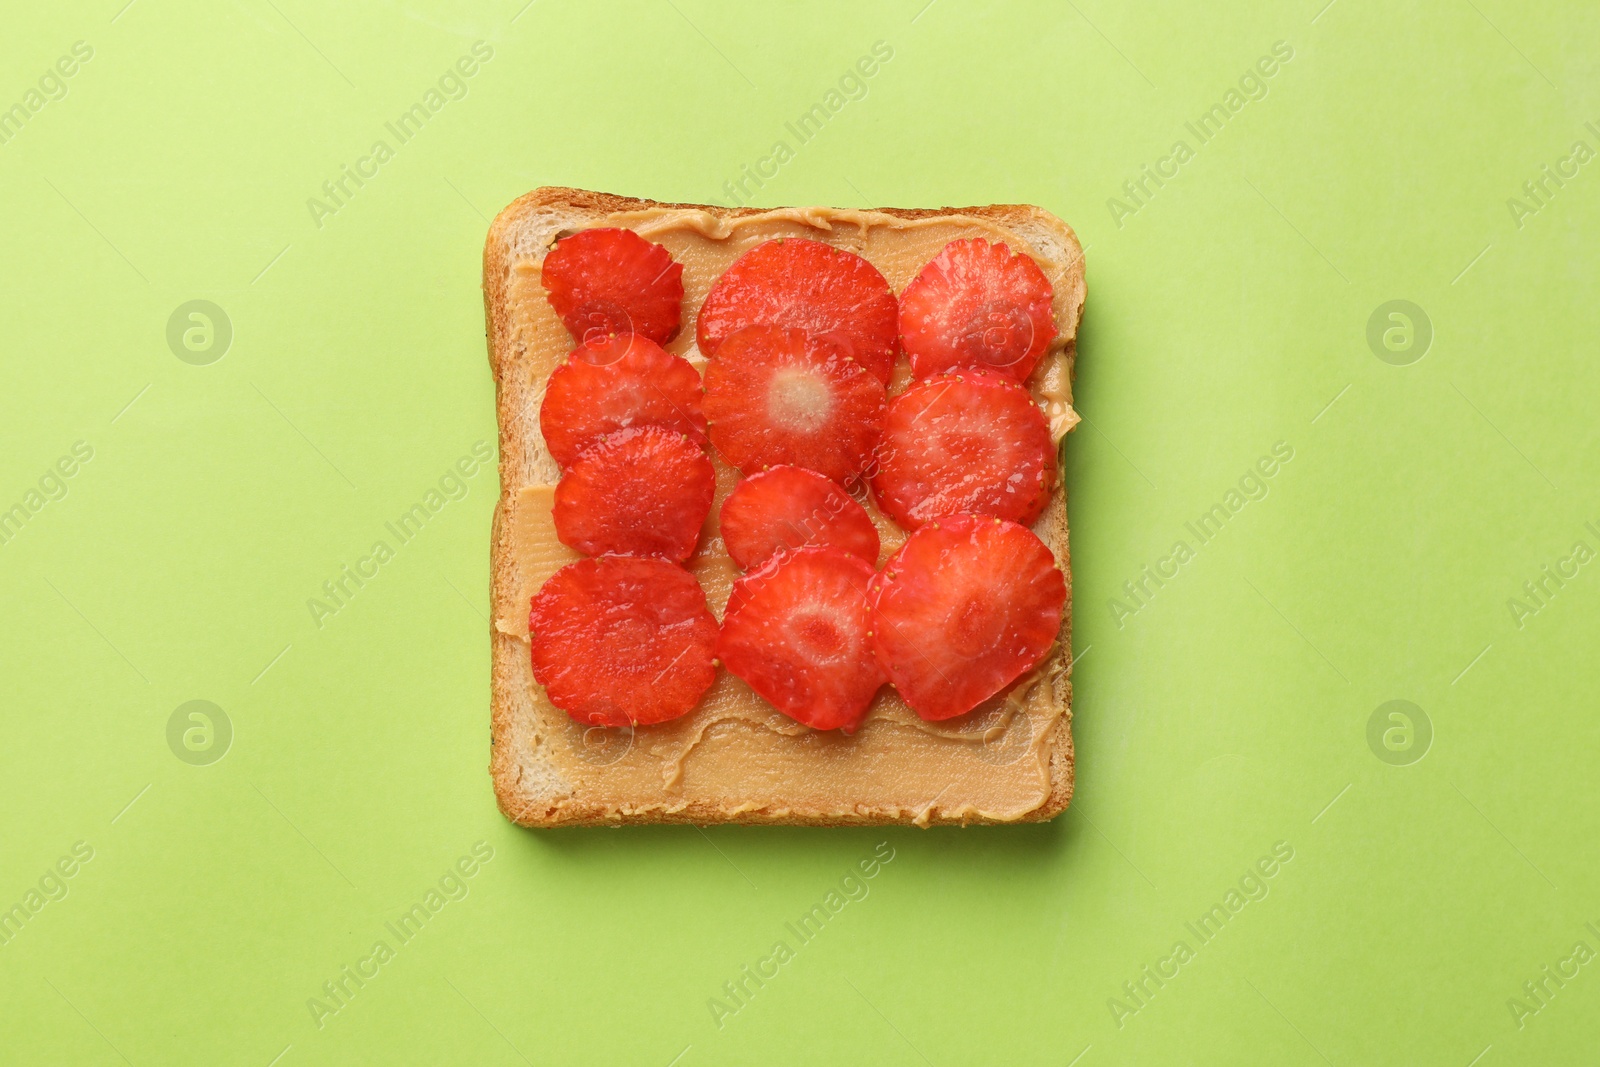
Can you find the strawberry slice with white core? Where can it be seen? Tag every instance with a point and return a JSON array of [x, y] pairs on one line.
[[618, 641], [971, 441], [977, 305], [796, 630], [783, 396], [788, 507], [967, 606], [615, 381], [809, 286], [609, 280], [642, 492]]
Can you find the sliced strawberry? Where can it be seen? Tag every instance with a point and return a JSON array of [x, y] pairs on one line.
[[972, 441], [785, 507], [977, 305], [642, 492], [968, 605], [608, 280], [615, 381], [796, 630], [810, 286], [618, 641], [782, 396]]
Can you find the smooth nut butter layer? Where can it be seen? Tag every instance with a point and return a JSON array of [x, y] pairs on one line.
[[734, 750]]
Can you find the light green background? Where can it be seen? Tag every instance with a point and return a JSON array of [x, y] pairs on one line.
[[1227, 314]]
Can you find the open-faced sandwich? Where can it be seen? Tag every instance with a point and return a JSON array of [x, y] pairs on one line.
[[780, 536]]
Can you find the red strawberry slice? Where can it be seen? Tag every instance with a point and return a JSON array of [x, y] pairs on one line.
[[618, 641], [782, 396], [797, 631], [972, 441], [977, 305], [787, 507], [810, 286], [615, 381], [967, 606], [608, 280], [642, 492]]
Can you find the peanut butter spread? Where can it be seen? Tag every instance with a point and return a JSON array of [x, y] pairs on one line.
[[734, 749]]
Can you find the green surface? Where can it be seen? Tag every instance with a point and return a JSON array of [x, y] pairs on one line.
[[1220, 715]]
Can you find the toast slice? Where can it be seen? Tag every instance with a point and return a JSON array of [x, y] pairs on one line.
[[734, 758]]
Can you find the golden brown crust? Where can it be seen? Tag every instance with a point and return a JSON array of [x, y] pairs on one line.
[[524, 802]]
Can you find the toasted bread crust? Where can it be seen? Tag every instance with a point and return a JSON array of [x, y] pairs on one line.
[[522, 800]]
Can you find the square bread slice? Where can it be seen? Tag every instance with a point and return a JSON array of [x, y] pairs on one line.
[[734, 758]]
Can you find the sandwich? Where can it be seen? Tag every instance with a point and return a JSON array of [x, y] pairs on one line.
[[780, 536]]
